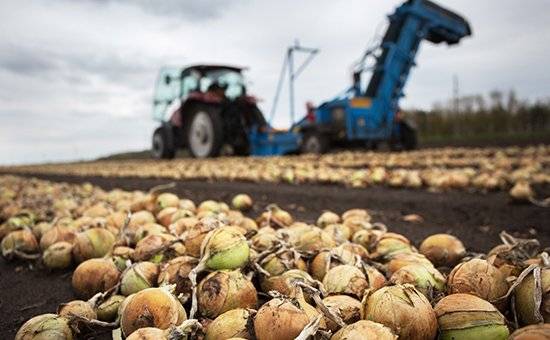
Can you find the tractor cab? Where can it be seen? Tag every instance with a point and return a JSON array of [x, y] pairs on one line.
[[205, 107], [175, 84]]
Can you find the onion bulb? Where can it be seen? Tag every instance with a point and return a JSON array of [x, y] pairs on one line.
[[221, 291], [225, 248], [139, 276], [403, 309], [465, 316], [279, 262], [22, 241], [356, 213], [315, 240], [364, 329], [57, 234], [345, 279], [425, 279], [164, 217], [401, 260], [94, 276], [166, 200], [522, 192], [478, 277], [279, 319], [242, 202], [92, 243], [58, 255], [339, 232], [443, 250], [121, 255], [156, 248], [346, 307], [327, 218], [176, 271], [45, 326], [196, 235], [108, 309], [285, 283], [233, 323], [532, 332], [328, 259], [152, 307], [390, 244], [275, 217], [78, 308], [525, 298]]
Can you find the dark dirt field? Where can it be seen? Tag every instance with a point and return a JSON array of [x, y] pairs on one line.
[[475, 218]]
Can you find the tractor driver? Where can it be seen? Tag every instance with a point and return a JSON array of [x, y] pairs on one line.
[[218, 90]]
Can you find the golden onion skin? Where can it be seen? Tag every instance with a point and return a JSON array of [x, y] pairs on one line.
[[233, 323], [92, 243], [279, 320], [77, 307], [224, 290], [108, 309], [443, 250], [152, 307], [403, 309], [466, 316], [478, 277], [226, 249], [532, 332], [148, 333], [94, 276], [242, 202], [58, 255], [364, 330], [348, 308], [176, 271], [345, 279], [45, 326], [140, 276], [21, 240], [525, 303]]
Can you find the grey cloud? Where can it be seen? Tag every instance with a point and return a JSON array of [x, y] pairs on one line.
[[189, 9], [24, 61], [76, 67]]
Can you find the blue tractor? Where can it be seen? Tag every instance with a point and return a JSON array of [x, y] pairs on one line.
[[206, 107]]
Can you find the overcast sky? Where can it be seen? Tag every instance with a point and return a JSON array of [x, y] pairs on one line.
[[76, 77]]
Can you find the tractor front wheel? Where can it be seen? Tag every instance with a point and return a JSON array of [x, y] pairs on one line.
[[205, 132], [163, 143]]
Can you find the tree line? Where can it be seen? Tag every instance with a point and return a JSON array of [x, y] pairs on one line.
[[497, 113]]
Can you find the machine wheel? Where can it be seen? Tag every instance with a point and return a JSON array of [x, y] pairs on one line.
[[205, 132], [314, 143], [163, 143]]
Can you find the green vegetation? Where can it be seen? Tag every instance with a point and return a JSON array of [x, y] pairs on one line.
[[497, 118]]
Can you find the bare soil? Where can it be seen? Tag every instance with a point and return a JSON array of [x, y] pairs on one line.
[[475, 218]]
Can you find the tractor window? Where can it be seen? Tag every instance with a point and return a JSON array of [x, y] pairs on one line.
[[233, 80], [189, 83]]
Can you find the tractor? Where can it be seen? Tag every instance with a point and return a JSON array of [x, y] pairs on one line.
[[209, 108], [206, 108]]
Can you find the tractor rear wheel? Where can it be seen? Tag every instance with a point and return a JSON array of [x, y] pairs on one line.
[[314, 142], [163, 143], [205, 132]]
